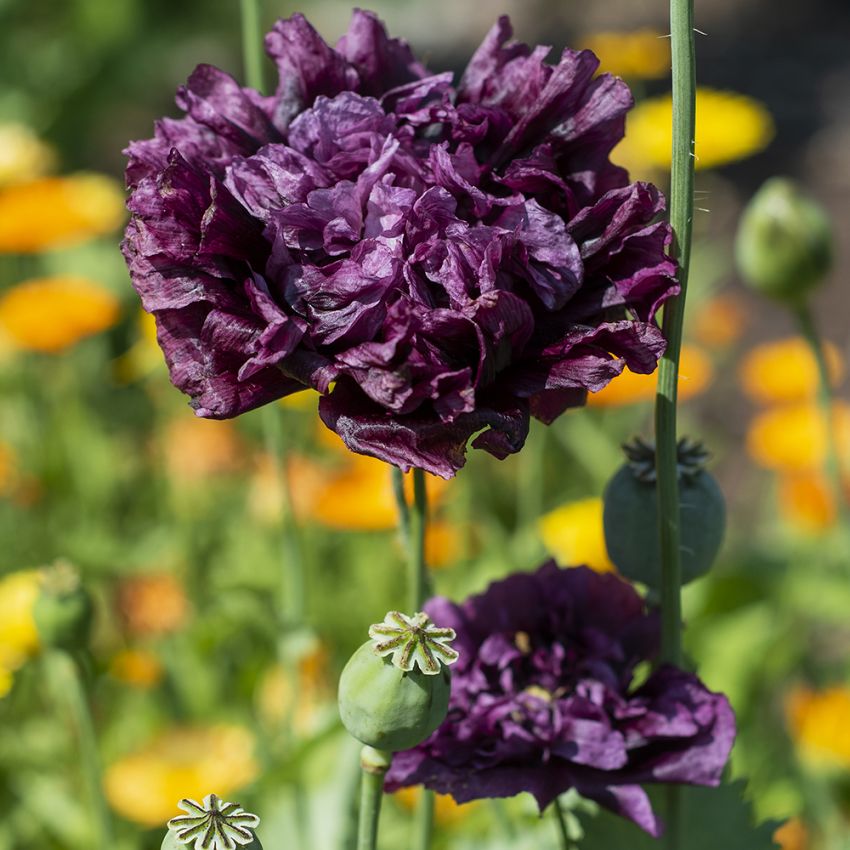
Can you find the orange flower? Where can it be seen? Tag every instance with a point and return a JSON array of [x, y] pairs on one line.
[[794, 438], [55, 212], [695, 373], [443, 543], [196, 448], [136, 667], [49, 314], [819, 723], [151, 605], [785, 371], [719, 321], [8, 470], [573, 533], [792, 835], [807, 501], [145, 786], [642, 54], [446, 810]]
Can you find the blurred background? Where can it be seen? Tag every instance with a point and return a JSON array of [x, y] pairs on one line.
[[235, 565]]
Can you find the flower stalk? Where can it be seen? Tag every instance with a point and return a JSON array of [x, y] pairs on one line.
[[374, 765], [252, 53], [681, 220]]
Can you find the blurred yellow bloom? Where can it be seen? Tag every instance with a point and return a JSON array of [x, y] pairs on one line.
[[729, 127], [785, 371], [18, 634], [807, 501], [137, 667], [792, 835], [819, 723], [23, 156], [145, 786], [55, 212], [793, 438], [719, 321], [278, 702], [152, 605], [574, 535], [642, 54], [446, 810], [304, 400], [6, 680], [196, 448], [48, 314], [695, 373]]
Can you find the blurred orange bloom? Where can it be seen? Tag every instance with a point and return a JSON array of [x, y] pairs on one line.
[[807, 501], [136, 667], [574, 535], [197, 448], [719, 321], [792, 835], [8, 470], [443, 544], [642, 54], [49, 314], [446, 810], [785, 371], [23, 156], [794, 438], [695, 373], [55, 212], [145, 786], [151, 605], [819, 723]]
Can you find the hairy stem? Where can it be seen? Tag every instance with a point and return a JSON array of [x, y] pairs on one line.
[[681, 220]]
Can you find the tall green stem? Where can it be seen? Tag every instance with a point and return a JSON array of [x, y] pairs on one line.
[[832, 463], [252, 52], [66, 679], [374, 764], [561, 823], [681, 219]]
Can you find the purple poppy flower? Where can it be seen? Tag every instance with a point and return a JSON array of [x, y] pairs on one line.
[[438, 261], [543, 700]]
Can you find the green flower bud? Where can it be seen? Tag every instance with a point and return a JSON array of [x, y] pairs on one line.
[[784, 242], [394, 691], [212, 825], [630, 515], [63, 610]]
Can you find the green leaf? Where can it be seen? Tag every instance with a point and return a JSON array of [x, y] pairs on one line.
[[712, 818]]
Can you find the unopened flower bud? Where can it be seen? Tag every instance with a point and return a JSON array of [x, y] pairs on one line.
[[784, 242], [394, 691], [212, 825], [63, 610]]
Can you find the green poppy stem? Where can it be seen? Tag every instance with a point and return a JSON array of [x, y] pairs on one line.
[[252, 51], [374, 764], [681, 219], [561, 822]]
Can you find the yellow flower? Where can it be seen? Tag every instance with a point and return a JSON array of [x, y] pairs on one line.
[[785, 371], [23, 156], [56, 212], [306, 400], [145, 786], [573, 533], [729, 127], [794, 438], [719, 322], [18, 634], [695, 373], [819, 723], [807, 501], [446, 810], [152, 605], [6, 680], [136, 667], [792, 835], [50, 314], [642, 54]]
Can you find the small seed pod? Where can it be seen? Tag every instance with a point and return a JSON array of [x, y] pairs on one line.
[[63, 610], [784, 242], [212, 825], [630, 515], [394, 691]]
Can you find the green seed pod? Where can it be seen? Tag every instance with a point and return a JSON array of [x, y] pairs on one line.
[[63, 610], [212, 825], [784, 242], [384, 700], [630, 515]]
